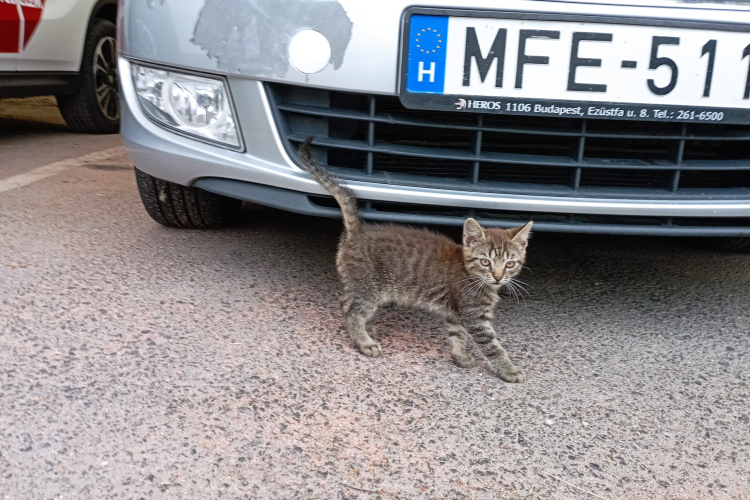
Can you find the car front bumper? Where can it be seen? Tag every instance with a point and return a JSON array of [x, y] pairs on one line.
[[266, 172]]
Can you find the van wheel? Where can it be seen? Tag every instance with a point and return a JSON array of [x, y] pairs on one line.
[[174, 205], [95, 107]]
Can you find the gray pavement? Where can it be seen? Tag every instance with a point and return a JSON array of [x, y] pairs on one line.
[[138, 361]]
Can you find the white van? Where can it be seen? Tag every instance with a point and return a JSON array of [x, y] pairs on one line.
[[66, 48]]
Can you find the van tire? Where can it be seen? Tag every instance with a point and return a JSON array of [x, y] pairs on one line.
[[173, 205], [82, 111]]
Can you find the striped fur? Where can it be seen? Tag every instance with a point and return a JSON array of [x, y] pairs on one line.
[[380, 263], [343, 196]]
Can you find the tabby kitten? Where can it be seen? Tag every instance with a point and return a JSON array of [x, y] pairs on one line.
[[381, 264]]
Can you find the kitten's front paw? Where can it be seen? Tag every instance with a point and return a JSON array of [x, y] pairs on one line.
[[513, 375], [372, 350]]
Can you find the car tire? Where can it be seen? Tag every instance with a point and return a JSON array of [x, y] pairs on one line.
[[173, 205], [95, 107], [738, 245]]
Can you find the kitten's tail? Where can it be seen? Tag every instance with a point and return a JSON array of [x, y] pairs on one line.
[[343, 195]]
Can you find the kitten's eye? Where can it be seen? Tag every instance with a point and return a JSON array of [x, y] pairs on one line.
[[485, 262], [510, 264]]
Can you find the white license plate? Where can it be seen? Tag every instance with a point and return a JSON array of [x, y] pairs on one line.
[[576, 66]]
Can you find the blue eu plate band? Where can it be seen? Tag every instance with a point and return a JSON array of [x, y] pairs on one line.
[[428, 43]]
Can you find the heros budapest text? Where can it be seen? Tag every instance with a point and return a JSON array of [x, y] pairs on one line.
[[586, 110], [547, 109]]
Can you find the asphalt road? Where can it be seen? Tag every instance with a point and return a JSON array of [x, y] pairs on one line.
[[138, 361]]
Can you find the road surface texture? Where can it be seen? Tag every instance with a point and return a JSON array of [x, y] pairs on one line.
[[138, 361]]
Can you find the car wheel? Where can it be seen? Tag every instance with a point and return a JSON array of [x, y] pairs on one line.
[[174, 205], [739, 245], [95, 107]]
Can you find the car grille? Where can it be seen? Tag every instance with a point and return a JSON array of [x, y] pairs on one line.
[[376, 139], [367, 134]]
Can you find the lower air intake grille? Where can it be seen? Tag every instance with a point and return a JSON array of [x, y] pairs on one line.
[[375, 138]]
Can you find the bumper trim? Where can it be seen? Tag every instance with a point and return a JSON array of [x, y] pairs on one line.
[[34, 83], [301, 203]]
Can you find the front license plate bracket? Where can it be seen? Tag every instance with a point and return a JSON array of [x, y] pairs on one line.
[[430, 91]]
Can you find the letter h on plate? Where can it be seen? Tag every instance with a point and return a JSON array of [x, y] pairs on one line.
[[428, 39]]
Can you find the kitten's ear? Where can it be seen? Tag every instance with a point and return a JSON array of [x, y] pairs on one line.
[[521, 234], [473, 232]]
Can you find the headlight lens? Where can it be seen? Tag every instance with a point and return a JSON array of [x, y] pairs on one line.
[[194, 105]]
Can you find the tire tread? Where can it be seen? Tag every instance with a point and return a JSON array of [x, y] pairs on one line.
[[191, 203], [177, 206]]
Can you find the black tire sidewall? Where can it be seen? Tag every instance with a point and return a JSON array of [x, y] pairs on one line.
[[738, 245], [722, 244], [81, 110]]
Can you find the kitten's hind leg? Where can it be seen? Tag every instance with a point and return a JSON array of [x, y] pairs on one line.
[[358, 315], [459, 339]]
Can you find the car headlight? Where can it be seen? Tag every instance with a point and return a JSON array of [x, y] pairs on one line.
[[193, 105]]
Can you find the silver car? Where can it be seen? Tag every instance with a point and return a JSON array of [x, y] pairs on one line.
[[608, 116]]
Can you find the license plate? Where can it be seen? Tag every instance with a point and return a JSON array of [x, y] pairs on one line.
[[575, 66]]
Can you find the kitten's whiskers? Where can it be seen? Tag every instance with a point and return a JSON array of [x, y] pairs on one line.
[[511, 291], [523, 283], [478, 285], [471, 283], [515, 291], [518, 285]]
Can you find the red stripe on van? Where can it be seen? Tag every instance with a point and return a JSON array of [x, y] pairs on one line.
[[10, 26], [31, 15]]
